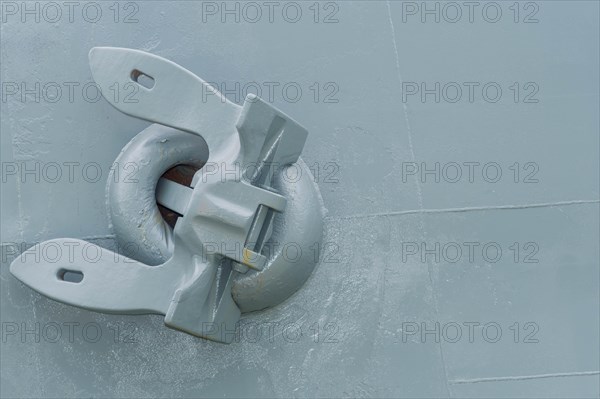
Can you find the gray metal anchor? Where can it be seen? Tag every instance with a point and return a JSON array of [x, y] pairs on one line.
[[213, 264]]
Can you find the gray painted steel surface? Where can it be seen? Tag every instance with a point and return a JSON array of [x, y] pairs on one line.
[[378, 316]]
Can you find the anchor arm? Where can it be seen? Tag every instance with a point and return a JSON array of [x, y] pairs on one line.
[[178, 99], [110, 283]]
